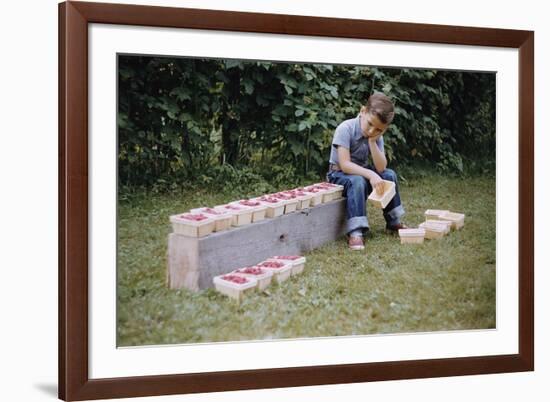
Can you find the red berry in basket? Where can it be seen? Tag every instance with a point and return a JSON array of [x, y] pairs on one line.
[[271, 200], [287, 257], [211, 211], [194, 217], [288, 195], [297, 193], [272, 264], [249, 203], [251, 271], [235, 279]]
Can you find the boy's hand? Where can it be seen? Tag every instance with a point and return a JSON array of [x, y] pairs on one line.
[[374, 138], [377, 183]]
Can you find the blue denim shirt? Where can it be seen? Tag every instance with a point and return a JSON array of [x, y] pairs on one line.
[[348, 135]]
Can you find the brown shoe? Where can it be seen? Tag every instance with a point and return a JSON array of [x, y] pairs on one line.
[[395, 228], [356, 243]]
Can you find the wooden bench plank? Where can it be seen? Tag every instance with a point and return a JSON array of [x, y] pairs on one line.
[[193, 262]]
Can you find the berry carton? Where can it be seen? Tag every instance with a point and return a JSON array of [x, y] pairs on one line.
[[222, 218], [235, 286], [290, 201], [325, 191], [316, 192], [241, 214], [275, 207], [262, 275], [413, 236], [434, 214], [298, 262], [303, 198], [433, 230], [281, 269], [192, 225], [258, 209], [381, 200], [446, 224], [454, 217], [335, 190]]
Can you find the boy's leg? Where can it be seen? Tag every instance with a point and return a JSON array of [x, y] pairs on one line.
[[394, 210], [355, 193]]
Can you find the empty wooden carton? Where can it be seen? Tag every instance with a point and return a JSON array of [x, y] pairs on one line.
[[241, 215], [317, 194], [258, 209], [192, 225], [413, 236], [235, 286], [454, 217], [434, 230], [381, 200], [298, 262], [289, 200], [304, 199], [274, 206], [281, 269], [262, 275], [434, 213], [222, 218], [447, 224]]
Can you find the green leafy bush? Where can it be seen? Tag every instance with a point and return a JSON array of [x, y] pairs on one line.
[[237, 123]]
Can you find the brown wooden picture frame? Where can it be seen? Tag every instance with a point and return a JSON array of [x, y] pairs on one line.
[[74, 381]]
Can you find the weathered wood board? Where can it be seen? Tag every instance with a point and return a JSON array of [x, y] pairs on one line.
[[193, 262]]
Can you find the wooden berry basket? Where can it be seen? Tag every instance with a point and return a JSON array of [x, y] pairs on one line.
[[235, 286], [258, 209], [326, 192], [275, 207], [290, 201], [412, 236], [298, 262], [334, 191], [222, 218], [434, 214], [281, 270], [192, 225], [317, 194], [304, 199], [241, 215], [447, 224], [381, 200], [434, 230], [454, 217], [263, 276]]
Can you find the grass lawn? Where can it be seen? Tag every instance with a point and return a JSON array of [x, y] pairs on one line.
[[441, 285]]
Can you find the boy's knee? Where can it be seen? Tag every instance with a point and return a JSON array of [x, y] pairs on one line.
[[389, 174]]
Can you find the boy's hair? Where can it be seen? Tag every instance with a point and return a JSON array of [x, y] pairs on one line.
[[381, 106]]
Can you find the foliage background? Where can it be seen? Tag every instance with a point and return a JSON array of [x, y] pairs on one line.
[[185, 121]]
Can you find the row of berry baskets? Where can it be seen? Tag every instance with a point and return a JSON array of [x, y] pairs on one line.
[[199, 222], [241, 281]]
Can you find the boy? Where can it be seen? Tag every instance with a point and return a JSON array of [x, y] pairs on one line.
[[353, 141]]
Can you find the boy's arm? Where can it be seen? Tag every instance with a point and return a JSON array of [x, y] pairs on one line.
[[378, 156], [348, 167]]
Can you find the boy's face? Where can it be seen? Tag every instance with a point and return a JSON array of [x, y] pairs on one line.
[[371, 126]]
